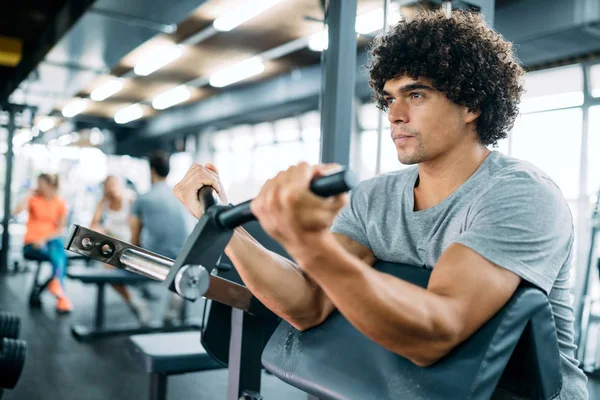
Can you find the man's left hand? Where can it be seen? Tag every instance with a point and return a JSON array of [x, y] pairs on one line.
[[290, 213]]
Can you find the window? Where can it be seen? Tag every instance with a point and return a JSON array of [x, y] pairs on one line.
[[594, 79], [553, 88], [593, 150], [552, 141]]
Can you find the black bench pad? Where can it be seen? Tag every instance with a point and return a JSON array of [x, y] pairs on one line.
[[171, 353], [334, 361], [105, 275]]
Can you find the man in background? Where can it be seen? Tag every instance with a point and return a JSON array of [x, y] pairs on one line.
[[159, 222]]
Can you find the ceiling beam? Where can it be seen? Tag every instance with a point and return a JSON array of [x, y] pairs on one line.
[[35, 53]]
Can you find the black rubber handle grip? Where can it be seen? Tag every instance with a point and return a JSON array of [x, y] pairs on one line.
[[208, 197], [325, 186]]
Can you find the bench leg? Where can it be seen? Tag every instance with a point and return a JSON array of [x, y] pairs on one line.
[[99, 319], [36, 288], [158, 387], [245, 348]]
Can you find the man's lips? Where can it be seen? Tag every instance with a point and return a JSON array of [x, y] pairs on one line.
[[402, 137]]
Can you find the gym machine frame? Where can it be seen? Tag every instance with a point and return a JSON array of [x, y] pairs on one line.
[[584, 310], [188, 275]]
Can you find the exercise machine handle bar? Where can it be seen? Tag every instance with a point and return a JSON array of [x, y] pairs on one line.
[[333, 184]]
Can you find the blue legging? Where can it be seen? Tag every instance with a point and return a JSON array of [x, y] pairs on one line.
[[52, 251]]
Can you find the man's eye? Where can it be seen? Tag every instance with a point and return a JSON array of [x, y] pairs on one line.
[[389, 100], [415, 95]]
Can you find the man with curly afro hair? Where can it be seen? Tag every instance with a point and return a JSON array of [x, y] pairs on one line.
[[484, 223]]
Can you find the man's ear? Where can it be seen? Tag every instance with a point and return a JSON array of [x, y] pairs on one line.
[[471, 115]]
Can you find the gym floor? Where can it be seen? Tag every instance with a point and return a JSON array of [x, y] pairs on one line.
[[58, 367]]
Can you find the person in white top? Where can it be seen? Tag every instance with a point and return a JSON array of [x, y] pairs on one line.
[[112, 218]]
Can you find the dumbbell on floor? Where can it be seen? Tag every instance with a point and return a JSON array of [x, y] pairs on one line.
[[12, 351], [12, 360], [10, 325]]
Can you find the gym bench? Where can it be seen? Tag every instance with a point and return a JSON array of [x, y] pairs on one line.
[[164, 354], [101, 277]]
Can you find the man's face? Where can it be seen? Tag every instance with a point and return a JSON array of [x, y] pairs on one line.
[[423, 122]]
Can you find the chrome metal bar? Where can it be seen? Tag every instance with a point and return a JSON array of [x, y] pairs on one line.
[[123, 255], [145, 264]]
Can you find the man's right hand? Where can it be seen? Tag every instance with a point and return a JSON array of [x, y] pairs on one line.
[[196, 177]]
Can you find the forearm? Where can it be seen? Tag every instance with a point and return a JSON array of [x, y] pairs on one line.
[[276, 281], [402, 317]]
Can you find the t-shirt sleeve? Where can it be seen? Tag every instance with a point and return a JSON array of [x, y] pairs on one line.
[[522, 224], [350, 221]]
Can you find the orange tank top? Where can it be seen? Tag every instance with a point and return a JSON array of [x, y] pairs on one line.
[[44, 217]]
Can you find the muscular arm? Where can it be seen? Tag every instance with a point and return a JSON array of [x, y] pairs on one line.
[[278, 282], [465, 290]]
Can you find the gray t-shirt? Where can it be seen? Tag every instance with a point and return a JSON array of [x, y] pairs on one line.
[[165, 226], [508, 211]]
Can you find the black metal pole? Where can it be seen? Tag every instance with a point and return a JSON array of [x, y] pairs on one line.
[[339, 82], [245, 349], [7, 192]]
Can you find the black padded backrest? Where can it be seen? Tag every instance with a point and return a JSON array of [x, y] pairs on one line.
[[335, 361], [216, 333]]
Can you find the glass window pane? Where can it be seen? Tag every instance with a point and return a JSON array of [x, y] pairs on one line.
[[221, 141], [595, 80], [287, 130], [552, 141], [242, 138], [553, 88], [264, 133], [367, 116], [593, 149], [180, 163]]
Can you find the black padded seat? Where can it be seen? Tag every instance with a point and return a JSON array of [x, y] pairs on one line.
[[164, 354], [105, 275], [515, 352]]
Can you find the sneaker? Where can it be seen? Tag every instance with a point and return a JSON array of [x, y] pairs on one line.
[[63, 305], [141, 311], [55, 288]]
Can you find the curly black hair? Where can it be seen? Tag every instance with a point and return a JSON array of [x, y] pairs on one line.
[[470, 63]]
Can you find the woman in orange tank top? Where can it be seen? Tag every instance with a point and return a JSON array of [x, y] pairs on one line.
[[45, 226]]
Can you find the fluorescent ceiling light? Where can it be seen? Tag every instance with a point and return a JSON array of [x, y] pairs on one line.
[[74, 108], [171, 97], [319, 41], [157, 60], [23, 136], [46, 124], [243, 13], [129, 113], [238, 72], [66, 139], [96, 136], [106, 90]]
